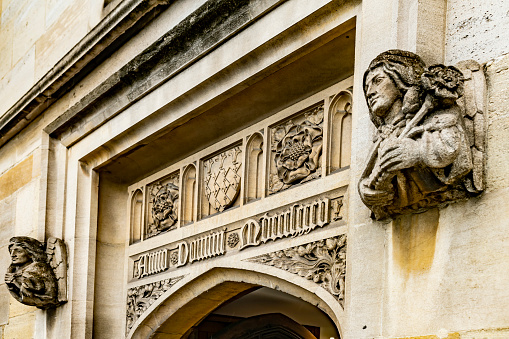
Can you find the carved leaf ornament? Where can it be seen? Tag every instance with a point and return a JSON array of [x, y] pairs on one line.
[[323, 262]]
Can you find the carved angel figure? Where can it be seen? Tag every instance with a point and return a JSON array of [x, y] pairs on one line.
[[31, 278], [423, 151]]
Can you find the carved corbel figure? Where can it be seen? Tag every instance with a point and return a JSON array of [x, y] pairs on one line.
[[429, 145], [37, 277]]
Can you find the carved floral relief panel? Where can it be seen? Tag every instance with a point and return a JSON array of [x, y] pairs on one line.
[[296, 149]]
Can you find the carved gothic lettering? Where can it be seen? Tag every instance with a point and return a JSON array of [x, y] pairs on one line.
[[423, 155], [298, 220], [151, 263]]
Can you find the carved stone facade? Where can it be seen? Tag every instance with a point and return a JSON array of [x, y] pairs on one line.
[[37, 275], [429, 146], [323, 262]]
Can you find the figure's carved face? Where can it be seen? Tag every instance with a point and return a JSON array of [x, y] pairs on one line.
[[381, 92], [19, 256]]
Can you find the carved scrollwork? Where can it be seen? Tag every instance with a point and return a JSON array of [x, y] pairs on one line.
[[323, 262], [426, 152], [298, 149], [37, 275], [141, 297]]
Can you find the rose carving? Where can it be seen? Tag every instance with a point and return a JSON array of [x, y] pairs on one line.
[[298, 148], [444, 83]]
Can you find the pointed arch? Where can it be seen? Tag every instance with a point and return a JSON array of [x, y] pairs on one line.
[[188, 194], [136, 217], [341, 130], [254, 168], [200, 293]]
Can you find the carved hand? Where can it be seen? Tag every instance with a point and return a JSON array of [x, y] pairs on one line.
[[374, 197], [399, 154], [9, 278]]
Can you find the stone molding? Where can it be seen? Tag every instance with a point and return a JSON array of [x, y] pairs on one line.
[[124, 21]]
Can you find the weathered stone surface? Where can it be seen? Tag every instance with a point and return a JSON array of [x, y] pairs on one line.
[[21, 327], [37, 275], [422, 156], [16, 177]]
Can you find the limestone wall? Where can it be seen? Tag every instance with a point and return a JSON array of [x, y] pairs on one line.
[[439, 274]]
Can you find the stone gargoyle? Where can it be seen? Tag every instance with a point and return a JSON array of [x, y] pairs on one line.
[[37, 275], [429, 144]]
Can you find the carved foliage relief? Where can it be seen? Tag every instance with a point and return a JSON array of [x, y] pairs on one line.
[[323, 262], [163, 205], [222, 178], [429, 145], [141, 297], [296, 147]]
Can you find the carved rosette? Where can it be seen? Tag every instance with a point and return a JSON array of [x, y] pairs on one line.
[[297, 149], [323, 262], [141, 297], [164, 204], [222, 178]]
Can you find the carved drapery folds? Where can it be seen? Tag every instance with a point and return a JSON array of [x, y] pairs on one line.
[[323, 262], [164, 205], [37, 275], [429, 144], [297, 149], [141, 297]]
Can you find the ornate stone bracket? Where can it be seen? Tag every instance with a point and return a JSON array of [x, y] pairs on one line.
[[141, 297], [429, 145], [37, 275], [323, 262]]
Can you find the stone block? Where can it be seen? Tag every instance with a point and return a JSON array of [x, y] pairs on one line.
[[28, 28], [63, 34], [21, 327], [16, 177], [18, 81], [497, 76], [26, 208], [497, 155], [17, 309], [5, 50], [7, 219], [4, 301]]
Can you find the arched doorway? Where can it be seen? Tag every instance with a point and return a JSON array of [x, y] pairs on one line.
[[262, 312], [220, 291]]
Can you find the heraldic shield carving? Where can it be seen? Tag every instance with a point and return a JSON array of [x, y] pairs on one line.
[[222, 178]]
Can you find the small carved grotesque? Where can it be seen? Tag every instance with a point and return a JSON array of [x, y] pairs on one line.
[[31, 277], [423, 155]]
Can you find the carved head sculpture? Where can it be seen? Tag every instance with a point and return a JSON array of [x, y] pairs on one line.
[[29, 278], [393, 75], [424, 155], [25, 250]]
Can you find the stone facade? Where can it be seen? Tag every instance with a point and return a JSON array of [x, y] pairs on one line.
[[190, 154]]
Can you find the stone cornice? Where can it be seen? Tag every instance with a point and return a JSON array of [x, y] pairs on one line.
[[188, 41], [119, 25]]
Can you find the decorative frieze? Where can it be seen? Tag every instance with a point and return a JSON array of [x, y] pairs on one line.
[[141, 297], [297, 220], [323, 262], [151, 263]]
